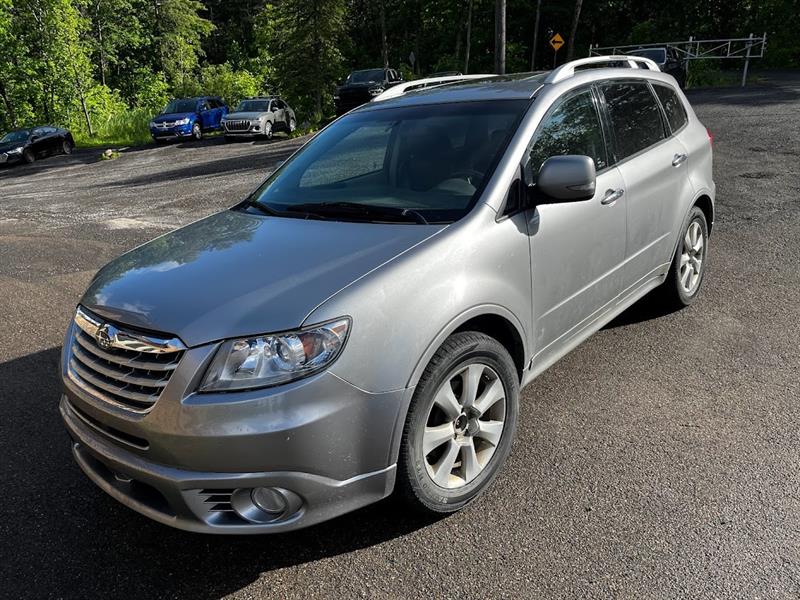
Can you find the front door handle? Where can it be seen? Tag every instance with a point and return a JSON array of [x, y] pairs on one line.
[[612, 196], [679, 159]]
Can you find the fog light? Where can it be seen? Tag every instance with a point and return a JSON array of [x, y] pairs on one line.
[[265, 504], [268, 500]]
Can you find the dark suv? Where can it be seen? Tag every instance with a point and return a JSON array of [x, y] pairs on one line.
[[362, 86], [668, 60]]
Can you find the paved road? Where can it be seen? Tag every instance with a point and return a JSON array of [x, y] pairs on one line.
[[660, 459]]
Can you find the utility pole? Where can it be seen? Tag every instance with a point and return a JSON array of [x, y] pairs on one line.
[[536, 34], [500, 37]]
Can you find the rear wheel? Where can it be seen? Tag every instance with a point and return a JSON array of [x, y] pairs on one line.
[[689, 263], [460, 424]]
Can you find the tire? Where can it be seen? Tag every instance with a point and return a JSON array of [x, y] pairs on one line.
[[292, 125], [268, 130], [688, 268], [28, 156], [67, 147], [424, 479], [197, 133]]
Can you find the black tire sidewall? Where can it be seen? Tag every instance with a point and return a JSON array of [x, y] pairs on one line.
[[458, 351], [28, 156], [67, 147], [197, 133], [268, 132]]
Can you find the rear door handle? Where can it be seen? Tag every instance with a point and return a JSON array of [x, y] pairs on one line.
[[679, 159], [612, 196]]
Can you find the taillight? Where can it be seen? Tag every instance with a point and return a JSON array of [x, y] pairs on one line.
[[710, 136]]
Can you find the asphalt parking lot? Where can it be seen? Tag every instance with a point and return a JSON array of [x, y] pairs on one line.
[[661, 459]]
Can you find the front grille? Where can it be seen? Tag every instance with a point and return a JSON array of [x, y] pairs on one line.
[[239, 125], [129, 370], [166, 124]]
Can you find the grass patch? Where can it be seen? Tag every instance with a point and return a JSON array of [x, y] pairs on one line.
[[130, 128]]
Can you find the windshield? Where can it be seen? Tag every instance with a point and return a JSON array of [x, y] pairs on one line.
[[430, 162], [365, 76], [180, 106], [16, 136], [253, 106], [657, 55]]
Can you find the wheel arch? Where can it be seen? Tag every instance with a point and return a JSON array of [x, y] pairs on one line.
[[493, 320], [704, 203]]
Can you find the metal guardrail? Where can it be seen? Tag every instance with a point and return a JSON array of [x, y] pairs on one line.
[[692, 49]]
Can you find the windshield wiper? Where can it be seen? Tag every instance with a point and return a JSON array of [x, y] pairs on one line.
[[367, 211], [292, 212]]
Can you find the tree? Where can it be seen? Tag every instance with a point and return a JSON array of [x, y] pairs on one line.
[[574, 30]]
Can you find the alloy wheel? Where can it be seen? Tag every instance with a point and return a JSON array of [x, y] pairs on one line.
[[464, 425], [692, 257]]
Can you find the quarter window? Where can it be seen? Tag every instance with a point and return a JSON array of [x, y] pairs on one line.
[[676, 113], [635, 116], [573, 128]]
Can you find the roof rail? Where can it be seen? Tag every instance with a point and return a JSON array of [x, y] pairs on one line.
[[568, 70], [419, 84]]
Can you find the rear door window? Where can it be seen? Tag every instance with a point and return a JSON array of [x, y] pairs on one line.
[[673, 107], [572, 128], [635, 116]]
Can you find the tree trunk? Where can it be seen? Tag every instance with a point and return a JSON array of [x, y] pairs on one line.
[[500, 37], [536, 34], [574, 30], [384, 45], [469, 37]]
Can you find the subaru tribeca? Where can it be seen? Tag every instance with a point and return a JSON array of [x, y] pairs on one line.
[[364, 321]]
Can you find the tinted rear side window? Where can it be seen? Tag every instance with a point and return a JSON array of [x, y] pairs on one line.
[[676, 113], [635, 116]]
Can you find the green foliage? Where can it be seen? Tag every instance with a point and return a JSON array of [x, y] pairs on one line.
[[152, 90], [126, 128], [231, 86]]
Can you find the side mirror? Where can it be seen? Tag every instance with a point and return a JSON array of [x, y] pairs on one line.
[[569, 178]]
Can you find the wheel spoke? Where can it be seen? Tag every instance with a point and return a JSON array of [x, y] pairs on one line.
[[687, 239], [472, 467], [490, 431], [444, 467], [436, 436], [685, 277], [698, 245], [471, 377], [446, 400], [489, 397]]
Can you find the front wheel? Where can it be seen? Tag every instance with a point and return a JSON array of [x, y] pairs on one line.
[[28, 156], [197, 133], [292, 125], [268, 130], [689, 263], [460, 424]]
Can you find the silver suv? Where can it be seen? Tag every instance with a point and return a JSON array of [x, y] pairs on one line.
[[259, 117], [365, 320]]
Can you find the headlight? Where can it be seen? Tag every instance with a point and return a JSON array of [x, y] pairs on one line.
[[375, 91], [272, 359], [17, 150], [184, 121], [152, 123]]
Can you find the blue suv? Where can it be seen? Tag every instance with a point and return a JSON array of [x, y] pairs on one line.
[[188, 118]]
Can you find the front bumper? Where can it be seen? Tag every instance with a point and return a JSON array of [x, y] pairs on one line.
[[9, 159], [171, 132], [328, 443]]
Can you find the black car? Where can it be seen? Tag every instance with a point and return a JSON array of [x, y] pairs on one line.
[[668, 60], [26, 145], [362, 86]]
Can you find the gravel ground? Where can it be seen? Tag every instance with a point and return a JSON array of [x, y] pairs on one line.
[[661, 459]]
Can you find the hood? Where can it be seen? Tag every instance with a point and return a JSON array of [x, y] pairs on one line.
[[361, 86], [234, 274], [174, 117], [6, 146], [246, 115]]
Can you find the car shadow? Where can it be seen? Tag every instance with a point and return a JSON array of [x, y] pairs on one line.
[[650, 307], [66, 537]]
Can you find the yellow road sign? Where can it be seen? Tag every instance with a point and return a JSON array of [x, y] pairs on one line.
[[556, 41]]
